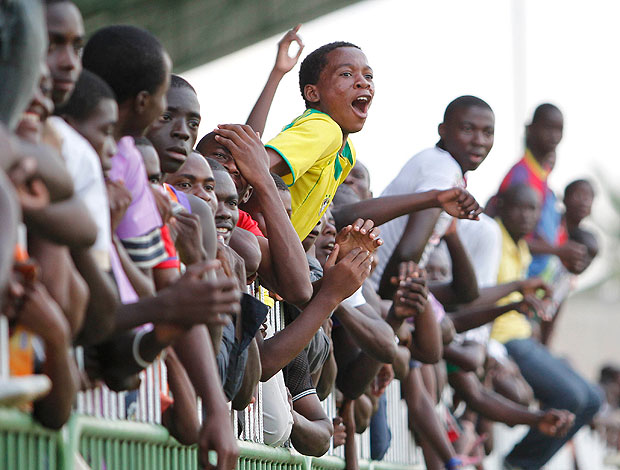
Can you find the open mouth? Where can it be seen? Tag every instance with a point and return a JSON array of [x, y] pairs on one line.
[[361, 105], [476, 158], [222, 232]]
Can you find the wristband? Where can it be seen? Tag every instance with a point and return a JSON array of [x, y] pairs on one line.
[[135, 348], [453, 464]]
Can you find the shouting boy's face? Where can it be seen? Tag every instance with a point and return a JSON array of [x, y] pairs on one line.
[[345, 89]]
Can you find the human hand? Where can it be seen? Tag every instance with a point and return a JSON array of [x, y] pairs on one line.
[[573, 255], [411, 296], [284, 62], [32, 194], [202, 295], [217, 435], [361, 234], [532, 306], [119, 199], [458, 202], [555, 423], [532, 285], [382, 380], [188, 237], [340, 432], [343, 278], [247, 150]]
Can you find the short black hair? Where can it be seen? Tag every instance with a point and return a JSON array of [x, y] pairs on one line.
[[205, 140], [464, 102], [507, 196], [314, 63], [128, 58], [143, 141], [89, 90], [609, 373], [215, 165], [542, 109], [280, 184], [575, 184], [176, 81]]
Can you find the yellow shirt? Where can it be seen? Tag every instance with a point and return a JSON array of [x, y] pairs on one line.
[[513, 266], [310, 146]]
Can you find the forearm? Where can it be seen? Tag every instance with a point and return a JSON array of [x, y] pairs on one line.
[[350, 447], [182, 417], [260, 111], [464, 282], [289, 272], [469, 318], [427, 345], [311, 437], [383, 209], [251, 377], [67, 222], [540, 246], [466, 358], [282, 348], [353, 379], [490, 295], [327, 379], [372, 334], [401, 363]]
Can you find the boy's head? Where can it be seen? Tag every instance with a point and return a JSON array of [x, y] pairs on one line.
[[30, 126], [210, 148], [93, 112], [519, 209], [175, 132], [227, 213], [135, 65], [587, 239], [467, 131], [545, 131], [326, 239], [337, 80], [195, 177], [65, 29], [438, 266], [151, 161], [359, 180], [578, 199]]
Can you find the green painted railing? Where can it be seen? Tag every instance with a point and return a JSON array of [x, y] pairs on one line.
[[126, 445]]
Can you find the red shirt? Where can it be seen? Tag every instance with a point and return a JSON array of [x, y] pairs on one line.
[[246, 222]]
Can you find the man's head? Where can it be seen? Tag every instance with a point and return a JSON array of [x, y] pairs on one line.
[[545, 131], [210, 148], [151, 161], [30, 126], [93, 112], [65, 29], [336, 79], [519, 209], [467, 131], [227, 213], [326, 239], [578, 199], [359, 180], [195, 177], [135, 65], [175, 132], [344, 196]]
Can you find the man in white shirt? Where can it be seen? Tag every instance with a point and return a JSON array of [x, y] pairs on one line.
[[466, 138]]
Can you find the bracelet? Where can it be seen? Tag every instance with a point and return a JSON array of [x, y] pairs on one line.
[[453, 464], [135, 348]]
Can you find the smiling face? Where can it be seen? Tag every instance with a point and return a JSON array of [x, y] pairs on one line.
[[468, 135], [175, 132], [326, 239], [345, 89], [195, 177], [65, 30], [30, 126], [227, 213]]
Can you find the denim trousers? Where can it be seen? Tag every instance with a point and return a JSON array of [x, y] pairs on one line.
[[555, 385], [380, 434]]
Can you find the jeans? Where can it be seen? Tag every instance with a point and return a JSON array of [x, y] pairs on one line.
[[380, 434], [555, 385]]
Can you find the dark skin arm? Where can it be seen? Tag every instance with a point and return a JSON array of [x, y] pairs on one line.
[[490, 295], [282, 255], [456, 201], [469, 356], [473, 317], [312, 429], [249, 247], [418, 230], [251, 377]]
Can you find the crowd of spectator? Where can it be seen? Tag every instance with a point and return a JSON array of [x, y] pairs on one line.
[[129, 235]]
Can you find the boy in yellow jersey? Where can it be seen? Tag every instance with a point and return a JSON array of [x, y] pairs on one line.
[[313, 154]]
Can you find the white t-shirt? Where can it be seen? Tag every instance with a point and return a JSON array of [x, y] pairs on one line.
[[430, 169], [356, 299], [85, 169]]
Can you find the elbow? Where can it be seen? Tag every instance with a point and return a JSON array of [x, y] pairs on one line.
[[300, 294], [386, 353], [469, 295], [431, 355], [318, 445]]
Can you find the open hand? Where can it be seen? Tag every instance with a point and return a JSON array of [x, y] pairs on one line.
[[247, 150], [361, 234], [411, 296], [458, 202], [284, 62], [532, 285], [344, 277]]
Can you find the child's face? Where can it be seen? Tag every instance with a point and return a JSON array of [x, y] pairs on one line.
[[227, 213], [98, 129], [345, 88], [468, 135], [175, 132], [195, 177], [520, 215], [436, 269], [327, 238], [579, 202]]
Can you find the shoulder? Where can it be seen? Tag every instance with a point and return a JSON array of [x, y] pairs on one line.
[[312, 124]]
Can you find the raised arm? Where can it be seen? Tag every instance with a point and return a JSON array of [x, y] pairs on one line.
[[284, 64]]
